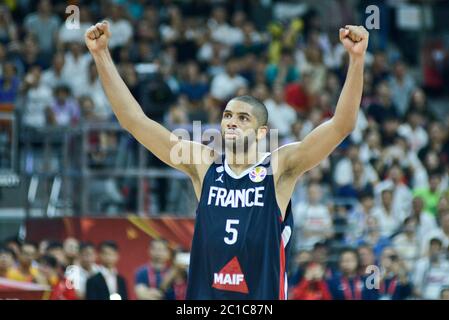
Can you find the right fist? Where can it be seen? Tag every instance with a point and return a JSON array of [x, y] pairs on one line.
[[97, 37]]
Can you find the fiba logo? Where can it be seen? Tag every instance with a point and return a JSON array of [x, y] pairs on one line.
[[72, 277]]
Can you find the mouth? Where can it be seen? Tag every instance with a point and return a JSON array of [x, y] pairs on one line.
[[231, 134]]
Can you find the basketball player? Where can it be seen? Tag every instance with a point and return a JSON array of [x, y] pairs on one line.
[[243, 221]]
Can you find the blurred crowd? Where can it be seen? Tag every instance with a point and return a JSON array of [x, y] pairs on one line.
[[380, 199], [71, 270]]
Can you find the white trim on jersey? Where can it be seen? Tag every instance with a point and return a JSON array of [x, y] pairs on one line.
[[247, 171]]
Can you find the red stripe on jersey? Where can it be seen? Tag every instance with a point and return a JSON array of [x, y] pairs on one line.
[[282, 272]]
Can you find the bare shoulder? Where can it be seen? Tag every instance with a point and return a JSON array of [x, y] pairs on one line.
[[282, 159]]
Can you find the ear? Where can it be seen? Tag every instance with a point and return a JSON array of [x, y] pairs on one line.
[[262, 132]]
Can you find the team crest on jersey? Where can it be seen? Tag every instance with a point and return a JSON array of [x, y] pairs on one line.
[[258, 174]]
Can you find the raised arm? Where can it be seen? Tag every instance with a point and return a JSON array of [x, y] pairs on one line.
[[299, 157], [130, 115]]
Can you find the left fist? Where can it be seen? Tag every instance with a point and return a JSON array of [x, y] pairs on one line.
[[354, 39]]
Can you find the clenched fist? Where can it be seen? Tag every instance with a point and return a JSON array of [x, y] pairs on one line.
[[354, 39], [97, 37]]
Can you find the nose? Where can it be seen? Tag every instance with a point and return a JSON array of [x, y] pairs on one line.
[[231, 123]]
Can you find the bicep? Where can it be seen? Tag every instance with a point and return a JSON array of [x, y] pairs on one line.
[[175, 150], [299, 157]]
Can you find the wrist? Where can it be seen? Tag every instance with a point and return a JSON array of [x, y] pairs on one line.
[[357, 58], [101, 54]]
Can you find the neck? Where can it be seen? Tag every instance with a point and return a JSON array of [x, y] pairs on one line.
[[157, 265], [350, 274], [240, 162]]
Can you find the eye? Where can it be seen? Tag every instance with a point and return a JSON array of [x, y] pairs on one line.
[[243, 118], [227, 115]]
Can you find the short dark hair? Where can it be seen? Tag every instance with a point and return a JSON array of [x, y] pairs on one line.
[[54, 245], [85, 245], [4, 249], [108, 244], [49, 260], [260, 110]]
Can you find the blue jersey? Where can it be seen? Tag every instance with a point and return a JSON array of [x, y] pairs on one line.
[[240, 243]]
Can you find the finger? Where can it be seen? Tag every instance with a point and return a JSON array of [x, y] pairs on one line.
[[96, 33], [106, 29], [343, 33], [90, 33]]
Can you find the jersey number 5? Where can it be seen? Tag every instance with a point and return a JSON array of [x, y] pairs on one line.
[[232, 230]]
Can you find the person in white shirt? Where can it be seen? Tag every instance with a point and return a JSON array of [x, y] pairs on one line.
[[407, 243], [413, 131], [107, 284], [38, 98], [402, 194], [225, 84], [76, 65], [314, 221], [425, 221], [56, 75], [281, 116], [431, 273], [84, 269], [441, 233], [91, 87], [389, 220], [121, 29]]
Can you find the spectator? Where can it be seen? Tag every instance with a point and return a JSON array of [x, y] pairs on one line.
[[372, 237], [85, 268], [149, 278], [6, 261], [413, 130], [357, 217], [56, 249], [431, 195], [37, 98], [281, 116], [107, 284], [394, 284], [44, 25], [441, 233], [389, 220], [65, 109], [284, 72], [9, 84], [314, 221], [384, 107], [347, 284], [58, 73], [49, 274], [224, 85], [25, 271], [71, 250], [367, 258], [431, 273], [401, 194], [407, 244], [120, 28], [195, 86], [313, 286], [301, 260], [77, 64], [425, 222], [92, 88], [402, 86]]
